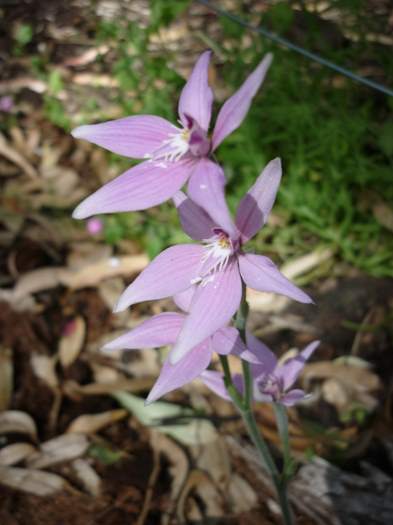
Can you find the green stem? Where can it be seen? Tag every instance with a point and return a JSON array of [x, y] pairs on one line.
[[244, 406], [282, 425]]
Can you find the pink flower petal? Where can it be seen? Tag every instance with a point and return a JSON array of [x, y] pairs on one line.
[[183, 299], [215, 382], [266, 361], [293, 397], [291, 369], [206, 188], [134, 137], [213, 305], [261, 274], [141, 187], [186, 370], [169, 273], [257, 203], [194, 220], [236, 107], [159, 330], [196, 97], [228, 341]]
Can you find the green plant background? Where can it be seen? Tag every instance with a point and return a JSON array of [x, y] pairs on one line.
[[335, 137]]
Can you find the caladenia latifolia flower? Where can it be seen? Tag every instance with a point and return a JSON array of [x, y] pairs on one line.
[[162, 330], [172, 154], [216, 268], [272, 381]]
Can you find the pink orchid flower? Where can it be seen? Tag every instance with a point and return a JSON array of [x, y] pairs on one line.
[[172, 154], [213, 272], [272, 382], [162, 330]]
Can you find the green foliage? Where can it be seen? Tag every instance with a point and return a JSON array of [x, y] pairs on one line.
[[104, 454], [333, 135], [164, 12], [23, 36], [54, 110]]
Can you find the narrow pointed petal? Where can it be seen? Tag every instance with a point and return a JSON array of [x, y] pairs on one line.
[[228, 341], [266, 360], [215, 382], [139, 188], [293, 397], [254, 208], [236, 107], [134, 137], [260, 273], [188, 369], [196, 97], [169, 273], [206, 188], [183, 299], [194, 220], [213, 305], [159, 330], [291, 369]]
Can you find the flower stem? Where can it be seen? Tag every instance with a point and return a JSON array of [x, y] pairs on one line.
[[282, 425], [244, 406]]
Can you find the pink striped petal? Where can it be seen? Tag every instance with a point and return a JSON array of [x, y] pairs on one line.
[[260, 273], [134, 137], [141, 187], [169, 273], [194, 220], [215, 382], [291, 369], [236, 107], [159, 330], [206, 188], [228, 341], [188, 369], [196, 97], [213, 305], [257, 203], [183, 299]]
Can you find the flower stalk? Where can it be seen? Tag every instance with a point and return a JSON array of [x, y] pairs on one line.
[[243, 404]]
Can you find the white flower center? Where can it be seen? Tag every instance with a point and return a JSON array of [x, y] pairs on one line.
[[218, 251], [173, 148], [271, 385]]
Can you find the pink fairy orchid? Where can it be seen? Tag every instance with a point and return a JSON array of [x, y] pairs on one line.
[[162, 330], [272, 382], [172, 154], [213, 272]]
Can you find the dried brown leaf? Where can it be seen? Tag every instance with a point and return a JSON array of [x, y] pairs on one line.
[[72, 341], [16, 158], [15, 421], [89, 275], [92, 423], [241, 494], [15, 453], [87, 476], [306, 263], [31, 481], [384, 214], [62, 448], [360, 377], [73, 389], [44, 367]]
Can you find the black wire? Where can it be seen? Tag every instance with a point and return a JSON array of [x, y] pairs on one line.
[[308, 54]]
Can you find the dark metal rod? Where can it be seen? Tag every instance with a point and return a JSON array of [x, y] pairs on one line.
[[308, 54]]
